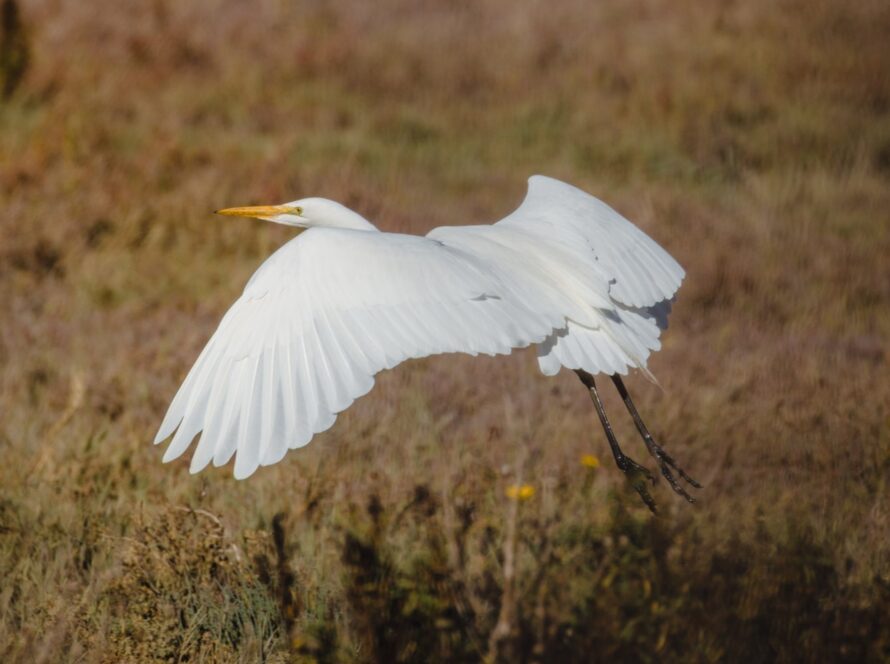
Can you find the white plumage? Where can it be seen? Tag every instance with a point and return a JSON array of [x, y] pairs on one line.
[[343, 301]]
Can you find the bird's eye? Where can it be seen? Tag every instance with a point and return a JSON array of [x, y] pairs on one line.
[[298, 211]]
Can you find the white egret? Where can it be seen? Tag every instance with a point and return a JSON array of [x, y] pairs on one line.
[[342, 301]]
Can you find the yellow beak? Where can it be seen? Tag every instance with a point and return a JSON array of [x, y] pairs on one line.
[[259, 211]]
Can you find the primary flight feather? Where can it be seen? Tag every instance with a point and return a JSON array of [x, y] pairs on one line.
[[342, 301]]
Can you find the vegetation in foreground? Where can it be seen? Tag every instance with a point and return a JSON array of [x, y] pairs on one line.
[[467, 509]]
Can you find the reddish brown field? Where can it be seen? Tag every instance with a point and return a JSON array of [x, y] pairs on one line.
[[751, 139]]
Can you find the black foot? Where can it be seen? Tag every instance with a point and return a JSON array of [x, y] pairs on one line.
[[637, 475], [665, 462]]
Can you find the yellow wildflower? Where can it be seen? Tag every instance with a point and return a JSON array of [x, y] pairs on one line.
[[520, 492], [590, 460]]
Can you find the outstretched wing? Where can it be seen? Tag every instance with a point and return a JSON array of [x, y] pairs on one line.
[[609, 255], [641, 273], [316, 322]]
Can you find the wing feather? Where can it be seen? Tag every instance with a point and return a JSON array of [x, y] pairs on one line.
[[267, 399], [316, 322], [307, 395], [641, 273], [603, 250]]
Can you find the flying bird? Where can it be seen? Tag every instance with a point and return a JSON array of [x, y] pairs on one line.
[[343, 301]]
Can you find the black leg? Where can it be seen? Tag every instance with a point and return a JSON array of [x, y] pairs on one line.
[[665, 462], [636, 473]]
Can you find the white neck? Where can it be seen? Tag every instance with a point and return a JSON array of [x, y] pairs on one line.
[[324, 212]]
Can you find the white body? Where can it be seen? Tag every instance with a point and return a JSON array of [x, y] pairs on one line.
[[343, 301]]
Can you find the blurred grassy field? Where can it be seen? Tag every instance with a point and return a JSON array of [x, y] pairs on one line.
[[752, 139]]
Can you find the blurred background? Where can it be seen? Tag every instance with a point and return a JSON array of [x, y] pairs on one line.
[[467, 509]]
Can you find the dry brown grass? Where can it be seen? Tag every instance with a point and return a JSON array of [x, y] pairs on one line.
[[751, 138]]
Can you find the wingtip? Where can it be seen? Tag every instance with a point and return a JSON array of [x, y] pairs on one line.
[[245, 465], [167, 458], [196, 467], [243, 473], [168, 426]]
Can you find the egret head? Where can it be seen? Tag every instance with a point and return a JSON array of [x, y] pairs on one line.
[[304, 213]]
